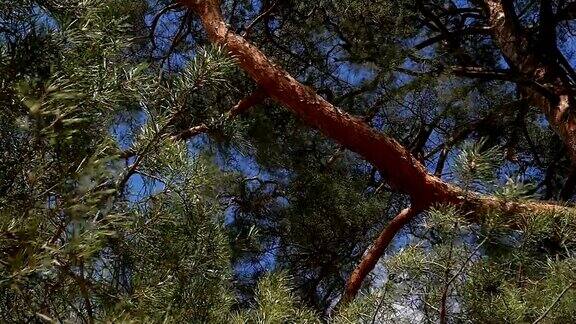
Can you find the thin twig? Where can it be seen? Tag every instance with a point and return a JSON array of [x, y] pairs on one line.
[[261, 16], [554, 303]]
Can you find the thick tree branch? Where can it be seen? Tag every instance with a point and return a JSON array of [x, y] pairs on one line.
[[453, 34], [485, 73], [403, 171], [384, 152], [558, 102], [374, 253], [547, 28]]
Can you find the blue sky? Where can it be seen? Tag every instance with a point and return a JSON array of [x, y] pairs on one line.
[[350, 74]]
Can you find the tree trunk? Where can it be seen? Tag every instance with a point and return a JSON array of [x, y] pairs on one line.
[[539, 62], [401, 169]]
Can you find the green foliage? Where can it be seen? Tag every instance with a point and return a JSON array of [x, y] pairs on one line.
[[515, 189], [179, 235], [72, 247], [275, 303], [105, 217], [476, 164], [490, 274], [517, 295]]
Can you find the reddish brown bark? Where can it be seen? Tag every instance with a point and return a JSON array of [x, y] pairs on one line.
[[541, 63], [374, 253], [402, 170], [248, 102]]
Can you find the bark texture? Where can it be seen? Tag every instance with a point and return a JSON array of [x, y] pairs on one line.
[[401, 169], [373, 254], [541, 62]]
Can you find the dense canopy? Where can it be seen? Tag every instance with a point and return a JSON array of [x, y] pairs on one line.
[[273, 161]]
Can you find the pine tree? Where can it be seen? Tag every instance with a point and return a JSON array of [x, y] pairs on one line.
[[343, 161]]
